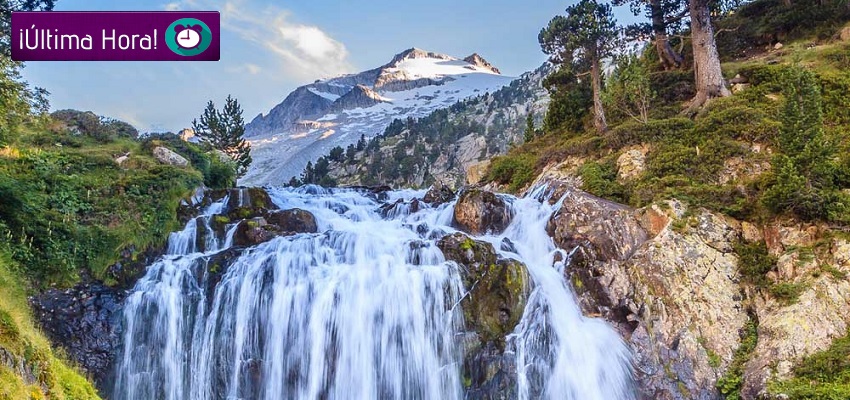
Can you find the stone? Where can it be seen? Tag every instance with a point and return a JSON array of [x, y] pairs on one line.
[[479, 211], [751, 233], [252, 232], [632, 163], [83, 321], [778, 46], [186, 134], [610, 228], [496, 298], [438, 194], [844, 34], [294, 220], [169, 157]]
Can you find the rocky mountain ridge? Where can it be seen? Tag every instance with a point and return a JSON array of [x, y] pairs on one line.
[[414, 83]]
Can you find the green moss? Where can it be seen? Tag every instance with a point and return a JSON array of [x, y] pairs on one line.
[[515, 171], [221, 219], [787, 292], [729, 385], [600, 179]]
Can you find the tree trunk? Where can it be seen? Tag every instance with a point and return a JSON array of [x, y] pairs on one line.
[[707, 73], [598, 111], [669, 58]]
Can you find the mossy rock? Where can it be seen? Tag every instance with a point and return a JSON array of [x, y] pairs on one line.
[[479, 211], [497, 288]]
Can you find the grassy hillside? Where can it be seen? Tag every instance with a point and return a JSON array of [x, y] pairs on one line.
[[24, 349]]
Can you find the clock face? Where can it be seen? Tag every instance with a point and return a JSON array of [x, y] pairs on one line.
[[188, 38]]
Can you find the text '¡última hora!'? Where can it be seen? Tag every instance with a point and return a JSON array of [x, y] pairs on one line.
[[47, 39]]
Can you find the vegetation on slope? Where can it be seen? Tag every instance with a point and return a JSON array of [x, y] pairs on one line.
[[777, 148], [24, 349]]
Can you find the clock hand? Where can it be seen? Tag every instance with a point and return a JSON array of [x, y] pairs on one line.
[[187, 35]]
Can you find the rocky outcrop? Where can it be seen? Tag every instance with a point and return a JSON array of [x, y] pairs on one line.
[[479, 61], [169, 157], [632, 163], [293, 220], [83, 321], [479, 211], [360, 96], [438, 194], [257, 230], [492, 307], [671, 290]]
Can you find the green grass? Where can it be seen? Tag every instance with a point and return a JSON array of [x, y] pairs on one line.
[[729, 385], [20, 338], [70, 209]]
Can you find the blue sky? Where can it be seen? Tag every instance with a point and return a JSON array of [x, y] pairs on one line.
[[269, 48]]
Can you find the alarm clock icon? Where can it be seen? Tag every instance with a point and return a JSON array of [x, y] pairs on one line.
[[188, 37]]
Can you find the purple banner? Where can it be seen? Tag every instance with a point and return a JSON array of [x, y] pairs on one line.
[[116, 36]]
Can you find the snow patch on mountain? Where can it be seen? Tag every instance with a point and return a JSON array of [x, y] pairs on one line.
[[335, 112]]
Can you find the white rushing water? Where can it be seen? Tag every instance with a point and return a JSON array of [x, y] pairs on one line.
[[364, 309]]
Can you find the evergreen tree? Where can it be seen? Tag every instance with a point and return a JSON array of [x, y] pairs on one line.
[[529, 128], [361, 144], [6, 9], [585, 36], [224, 130]]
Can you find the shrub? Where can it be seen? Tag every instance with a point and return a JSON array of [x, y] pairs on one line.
[[754, 262], [600, 179], [516, 171], [823, 375], [630, 133]]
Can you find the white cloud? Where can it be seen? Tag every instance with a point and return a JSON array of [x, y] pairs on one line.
[[247, 68], [305, 52], [171, 6]]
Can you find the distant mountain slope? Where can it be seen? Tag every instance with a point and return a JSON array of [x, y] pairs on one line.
[[327, 113], [450, 145]]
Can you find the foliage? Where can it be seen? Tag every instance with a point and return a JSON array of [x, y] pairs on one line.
[[19, 104], [19, 339], [729, 385], [219, 171], [822, 375], [600, 179], [103, 130], [224, 130], [754, 262], [806, 178], [628, 89], [570, 103], [580, 41], [517, 172]]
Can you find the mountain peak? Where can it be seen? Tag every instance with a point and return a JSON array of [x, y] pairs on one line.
[[414, 53], [478, 61]]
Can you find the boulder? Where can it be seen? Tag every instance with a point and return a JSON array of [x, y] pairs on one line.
[[492, 307], [438, 194], [293, 220], [479, 211], [252, 232], [497, 288], [844, 34], [169, 157], [610, 228], [631, 163]]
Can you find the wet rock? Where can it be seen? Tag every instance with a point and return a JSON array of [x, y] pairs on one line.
[[84, 322], [497, 289], [492, 307], [438, 194], [294, 220], [400, 206], [132, 265], [610, 228], [252, 232], [169, 157], [478, 212]]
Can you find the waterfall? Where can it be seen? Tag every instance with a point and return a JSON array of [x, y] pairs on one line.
[[364, 309]]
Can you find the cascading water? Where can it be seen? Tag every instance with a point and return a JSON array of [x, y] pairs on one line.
[[364, 309]]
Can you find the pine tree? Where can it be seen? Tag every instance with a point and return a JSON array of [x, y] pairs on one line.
[[529, 128], [584, 37], [224, 130]]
